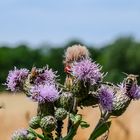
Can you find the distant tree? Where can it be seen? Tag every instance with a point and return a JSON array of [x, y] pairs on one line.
[[123, 55]]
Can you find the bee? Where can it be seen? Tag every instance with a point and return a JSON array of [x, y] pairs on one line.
[[40, 71], [129, 81], [36, 73]]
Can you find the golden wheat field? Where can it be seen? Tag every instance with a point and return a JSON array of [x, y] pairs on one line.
[[17, 110]]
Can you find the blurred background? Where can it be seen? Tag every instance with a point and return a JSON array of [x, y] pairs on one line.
[[36, 33]]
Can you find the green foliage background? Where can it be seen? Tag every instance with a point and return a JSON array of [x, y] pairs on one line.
[[122, 55]]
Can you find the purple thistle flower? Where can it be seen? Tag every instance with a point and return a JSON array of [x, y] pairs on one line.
[[15, 78], [87, 71], [134, 92], [106, 98], [48, 77], [43, 93], [136, 95], [20, 134]]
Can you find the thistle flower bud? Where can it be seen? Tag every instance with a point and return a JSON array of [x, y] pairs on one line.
[[27, 86], [81, 89], [20, 134], [48, 123], [120, 103], [68, 82], [35, 122], [66, 100], [60, 114]]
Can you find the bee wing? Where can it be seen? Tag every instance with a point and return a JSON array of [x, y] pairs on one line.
[[125, 73], [33, 70], [136, 76]]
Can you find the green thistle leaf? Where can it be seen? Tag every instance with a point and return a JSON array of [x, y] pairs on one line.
[[84, 124]]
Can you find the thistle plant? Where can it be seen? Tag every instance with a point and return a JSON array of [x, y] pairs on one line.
[[84, 86]]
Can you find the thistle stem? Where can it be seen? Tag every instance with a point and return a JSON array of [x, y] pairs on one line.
[[59, 129], [36, 134], [47, 136], [73, 129], [103, 119], [45, 109], [74, 111]]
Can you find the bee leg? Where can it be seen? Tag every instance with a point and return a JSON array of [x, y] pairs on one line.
[[93, 106], [107, 83]]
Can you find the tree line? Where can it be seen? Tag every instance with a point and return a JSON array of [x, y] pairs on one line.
[[122, 55]]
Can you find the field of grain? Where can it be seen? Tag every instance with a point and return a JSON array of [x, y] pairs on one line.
[[17, 110]]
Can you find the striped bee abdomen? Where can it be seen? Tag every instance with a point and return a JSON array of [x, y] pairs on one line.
[[129, 83]]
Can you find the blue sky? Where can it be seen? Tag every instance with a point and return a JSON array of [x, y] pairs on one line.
[[57, 21]]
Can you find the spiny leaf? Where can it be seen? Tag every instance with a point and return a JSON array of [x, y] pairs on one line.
[[84, 124], [73, 128], [75, 118]]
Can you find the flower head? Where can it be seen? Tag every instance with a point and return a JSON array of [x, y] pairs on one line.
[[35, 122], [46, 77], [87, 71], [134, 92], [75, 53], [60, 113], [48, 123], [120, 100], [106, 98], [66, 100], [15, 78], [20, 134], [44, 93]]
